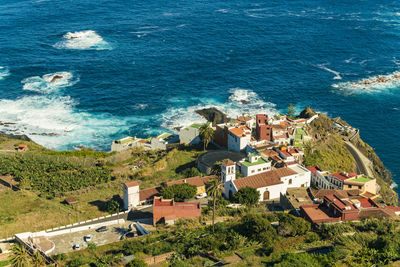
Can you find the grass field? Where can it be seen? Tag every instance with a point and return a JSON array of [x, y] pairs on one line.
[[25, 211]]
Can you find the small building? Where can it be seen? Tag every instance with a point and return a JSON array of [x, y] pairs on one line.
[[22, 148], [254, 164], [246, 120], [190, 135], [360, 182], [295, 198], [335, 209], [167, 210], [238, 138], [131, 195], [70, 201], [263, 129]]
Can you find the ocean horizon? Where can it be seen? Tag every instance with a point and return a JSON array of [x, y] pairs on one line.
[[78, 74]]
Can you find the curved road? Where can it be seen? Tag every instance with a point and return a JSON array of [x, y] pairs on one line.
[[363, 163]]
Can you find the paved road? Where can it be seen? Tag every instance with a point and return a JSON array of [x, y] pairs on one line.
[[144, 215], [363, 163]]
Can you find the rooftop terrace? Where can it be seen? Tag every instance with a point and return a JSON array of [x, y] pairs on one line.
[[258, 162], [360, 179]]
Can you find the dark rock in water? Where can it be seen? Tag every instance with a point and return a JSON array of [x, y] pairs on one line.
[[245, 102], [213, 115], [56, 77], [307, 113], [16, 136]]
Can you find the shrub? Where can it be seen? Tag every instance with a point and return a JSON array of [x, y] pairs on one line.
[[257, 227], [247, 196], [292, 226], [191, 172], [137, 263], [179, 192]]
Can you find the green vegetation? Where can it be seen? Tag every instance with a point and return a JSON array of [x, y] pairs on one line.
[[50, 174], [259, 161], [247, 196], [179, 192], [4, 263], [206, 134], [360, 179], [251, 234], [214, 190], [291, 111]]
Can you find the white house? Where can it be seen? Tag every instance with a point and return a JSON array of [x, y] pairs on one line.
[[254, 164], [238, 138], [270, 184]]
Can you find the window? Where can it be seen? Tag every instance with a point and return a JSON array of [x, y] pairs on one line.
[[259, 170], [290, 181], [252, 171], [349, 186], [264, 169]]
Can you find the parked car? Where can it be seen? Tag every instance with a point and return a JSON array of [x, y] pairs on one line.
[[76, 246], [202, 195], [101, 229], [87, 238]]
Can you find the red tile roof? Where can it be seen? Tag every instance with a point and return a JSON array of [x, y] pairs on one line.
[[240, 131], [131, 184], [314, 169], [264, 179], [149, 194], [343, 176]]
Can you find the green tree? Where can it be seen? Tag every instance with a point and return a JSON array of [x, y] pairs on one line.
[[179, 192], [112, 206], [37, 259], [290, 225], [19, 256], [137, 263], [291, 111], [206, 134], [247, 196], [258, 228], [214, 189]]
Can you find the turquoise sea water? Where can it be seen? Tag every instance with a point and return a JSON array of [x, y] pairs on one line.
[[142, 67]]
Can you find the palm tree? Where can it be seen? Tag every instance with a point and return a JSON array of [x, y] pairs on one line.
[[214, 189], [37, 259], [19, 256], [206, 134]]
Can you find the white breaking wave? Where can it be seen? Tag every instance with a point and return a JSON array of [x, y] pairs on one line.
[[337, 74], [240, 101], [49, 83], [372, 84], [4, 72], [83, 40], [54, 122]]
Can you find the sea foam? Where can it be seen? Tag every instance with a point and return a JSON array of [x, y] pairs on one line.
[[49, 83], [240, 101], [83, 40], [55, 122], [4, 72], [373, 84]]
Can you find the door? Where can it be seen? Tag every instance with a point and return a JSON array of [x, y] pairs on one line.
[[266, 195]]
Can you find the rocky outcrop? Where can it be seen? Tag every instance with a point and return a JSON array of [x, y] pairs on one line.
[[56, 77], [14, 136], [307, 113], [213, 115]]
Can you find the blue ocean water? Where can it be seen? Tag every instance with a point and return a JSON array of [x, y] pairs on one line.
[[86, 72]]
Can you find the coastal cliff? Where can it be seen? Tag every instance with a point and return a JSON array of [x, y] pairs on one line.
[[338, 147]]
